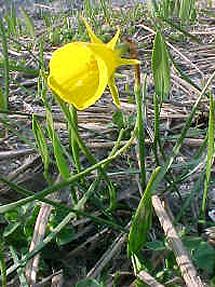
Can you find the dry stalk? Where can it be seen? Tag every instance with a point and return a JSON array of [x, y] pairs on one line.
[[148, 279], [183, 260], [38, 236], [108, 255]]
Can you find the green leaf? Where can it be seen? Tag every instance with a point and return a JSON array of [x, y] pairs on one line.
[[142, 219], [178, 27], [187, 8], [88, 283], [65, 236], [210, 155], [161, 66], [156, 245], [4, 43], [204, 257], [41, 142], [192, 242], [2, 100], [10, 228], [58, 148], [118, 119], [28, 22]]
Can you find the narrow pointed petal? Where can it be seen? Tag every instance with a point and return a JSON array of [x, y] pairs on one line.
[[112, 43], [114, 92], [93, 37], [124, 61]]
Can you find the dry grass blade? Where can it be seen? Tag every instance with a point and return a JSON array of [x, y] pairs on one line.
[[187, 268], [39, 233], [148, 279], [108, 255], [15, 153]]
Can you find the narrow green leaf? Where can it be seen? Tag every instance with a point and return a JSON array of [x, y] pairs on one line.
[[2, 100], [187, 8], [142, 219], [161, 66], [140, 94], [20, 271], [28, 22], [70, 180], [17, 67], [210, 155], [5, 93], [3, 267], [60, 157], [41, 142], [58, 148], [180, 29]]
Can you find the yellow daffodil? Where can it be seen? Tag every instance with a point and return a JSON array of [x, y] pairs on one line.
[[80, 71]]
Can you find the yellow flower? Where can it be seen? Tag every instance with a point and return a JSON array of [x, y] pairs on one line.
[[80, 71]]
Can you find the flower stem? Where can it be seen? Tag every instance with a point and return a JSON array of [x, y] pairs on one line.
[[140, 102], [86, 151]]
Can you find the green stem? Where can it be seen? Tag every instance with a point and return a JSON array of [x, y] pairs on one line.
[[140, 130], [86, 151], [49, 190], [73, 142], [2, 265], [4, 100], [210, 157]]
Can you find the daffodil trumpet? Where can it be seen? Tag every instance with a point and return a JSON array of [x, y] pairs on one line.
[[80, 71]]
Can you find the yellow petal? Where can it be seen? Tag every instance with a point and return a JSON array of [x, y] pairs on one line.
[[75, 74], [93, 37], [103, 79], [109, 56], [123, 61], [114, 91], [112, 43]]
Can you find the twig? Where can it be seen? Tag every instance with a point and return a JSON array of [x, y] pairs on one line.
[[47, 279], [188, 271], [108, 255], [15, 153], [38, 235], [148, 279]]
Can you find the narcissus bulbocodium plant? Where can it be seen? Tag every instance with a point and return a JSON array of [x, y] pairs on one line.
[[80, 71]]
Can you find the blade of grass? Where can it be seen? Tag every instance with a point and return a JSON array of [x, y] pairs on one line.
[[180, 29], [3, 265], [210, 157], [25, 192], [86, 151], [40, 195], [41, 144], [20, 271], [5, 94], [142, 219], [28, 22], [140, 102], [58, 148], [161, 67]]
